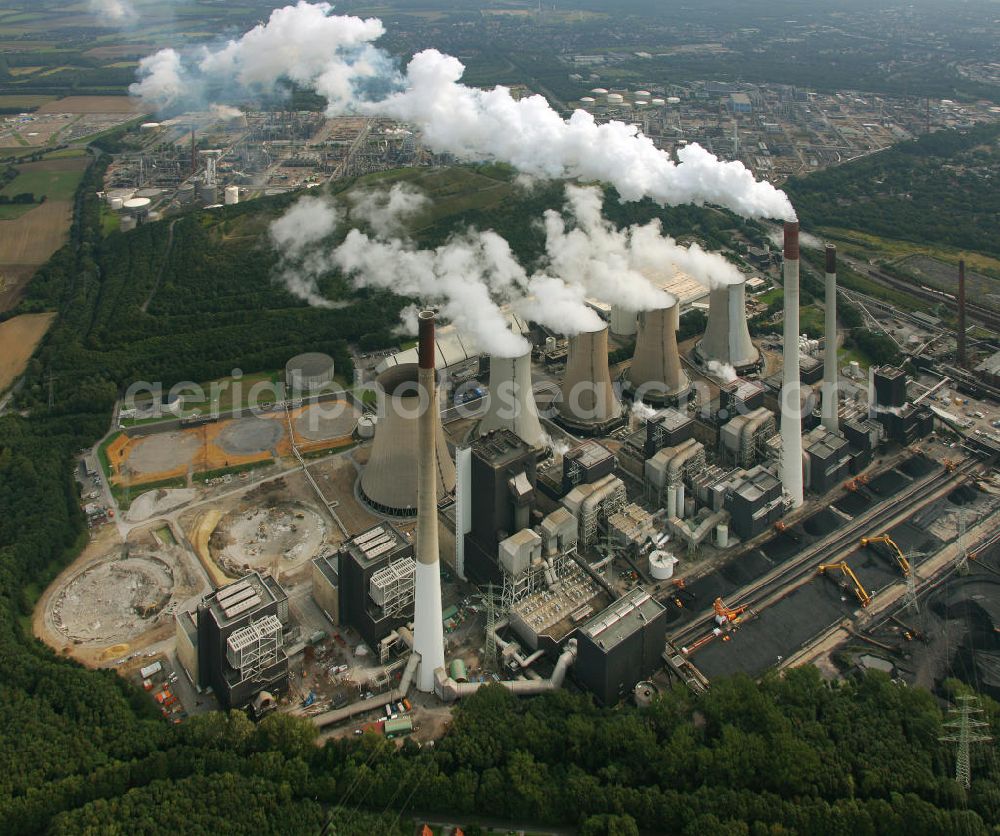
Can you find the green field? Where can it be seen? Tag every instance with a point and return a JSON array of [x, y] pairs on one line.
[[55, 185], [11, 212]]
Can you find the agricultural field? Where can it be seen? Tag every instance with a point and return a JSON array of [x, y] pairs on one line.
[[18, 338], [91, 104]]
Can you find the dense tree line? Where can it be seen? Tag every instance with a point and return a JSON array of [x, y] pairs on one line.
[[85, 752], [938, 189]]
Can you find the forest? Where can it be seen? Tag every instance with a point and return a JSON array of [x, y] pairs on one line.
[[889, 193], [84, 752]]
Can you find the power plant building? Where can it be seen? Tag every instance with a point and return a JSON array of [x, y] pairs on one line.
[[754, 502], [620, 646], [375, 590], [240, 644]]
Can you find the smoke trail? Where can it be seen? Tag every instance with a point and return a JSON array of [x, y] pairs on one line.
[[387, 212], [335, 56], [114, 12], [723, 371], [296, 235]]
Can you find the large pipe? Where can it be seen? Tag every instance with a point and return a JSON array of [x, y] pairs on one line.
[[428, 629], [448, 689], [961, 312], [791, 406], [830, 420]]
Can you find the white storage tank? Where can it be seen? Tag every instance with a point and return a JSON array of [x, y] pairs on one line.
[[642, 94], [588, 100], [599, 91], [722, 535], [366, 426], [615, 98], [661, 565], [232, 195], [117, 203]]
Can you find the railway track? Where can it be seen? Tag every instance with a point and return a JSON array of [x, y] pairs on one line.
[[777, 582]]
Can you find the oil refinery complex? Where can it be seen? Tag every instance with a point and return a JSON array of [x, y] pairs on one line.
[[705, 506]]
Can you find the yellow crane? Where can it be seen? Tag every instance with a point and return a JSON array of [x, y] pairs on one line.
[[730, 614], [894, 550], [848, 573]]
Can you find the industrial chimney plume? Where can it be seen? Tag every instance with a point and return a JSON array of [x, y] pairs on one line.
[[428, 630], [830, 420], [961, 313], [791, 406]]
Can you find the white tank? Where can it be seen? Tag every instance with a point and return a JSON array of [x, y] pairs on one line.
[[671, 500], [641, 102], [615, 98], [366, 426], [658, 102], [117, 203], [623, 321], [661, 565], [599, 91], [673, 100], [588, 100], [136, 204], [642, 94], [232, 195], [644, 694], [722, 535]]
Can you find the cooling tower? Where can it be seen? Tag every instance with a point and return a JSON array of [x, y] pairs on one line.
[[656, 374], [428, 628], [623, 322], [589, 404], [791, 410], [830, 350], [512, 404], [727, 338], [389, 482]]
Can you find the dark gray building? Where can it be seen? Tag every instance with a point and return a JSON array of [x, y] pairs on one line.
[[240, 641], [829, 460], [375, 582], [754, 502], [890, 387], [586, 463], [620, 646]]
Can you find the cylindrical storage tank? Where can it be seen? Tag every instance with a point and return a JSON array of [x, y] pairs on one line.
[[658, 102], [136, 205], [127, 223], [308, 372], [366, 426], [642, 94], [599, 91], [644, 694], [117, 203], [661, 565], [681, 507], [550, 343], [208, 195], [589, 403], [389, 482], [588, 100], [623, 321], [672, 500], [673, 100], [641, 102], [149, 126], [722, 535], [185, 194], [615, 98], [457, 671], [232, 195]]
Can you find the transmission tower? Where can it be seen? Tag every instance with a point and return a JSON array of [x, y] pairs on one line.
[[490, 648], [966, 731], [963, 549], [911, 593]]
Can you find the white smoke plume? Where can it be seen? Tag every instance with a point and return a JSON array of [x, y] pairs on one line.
[[611, 264], [114, 12], [335, 56], [810, 242], [163, 79], [642, 410], [723, 371], [469, 277], [387, 212], [225, 113]]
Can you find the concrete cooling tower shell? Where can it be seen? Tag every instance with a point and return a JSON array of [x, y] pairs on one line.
[[588, 404], [727, 337], [389, 482], [512, 404], [656, 375]]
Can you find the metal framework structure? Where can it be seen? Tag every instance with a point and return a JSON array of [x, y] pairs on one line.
[[518, 588], [392, 586], [490, 659], [966, 730], [255, 647]]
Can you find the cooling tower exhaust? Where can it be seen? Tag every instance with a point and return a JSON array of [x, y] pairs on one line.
[[791, 414], [589, 404], [727, 337], [656, 375], [830, 420], [389, 483], [512, 404], [428, 629]]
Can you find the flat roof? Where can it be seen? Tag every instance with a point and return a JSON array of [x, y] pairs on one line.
[[249, 594], [374, 543], [589, 453], [327, 567], [624, 617], [991, 365], [500, 447], [671, 419]]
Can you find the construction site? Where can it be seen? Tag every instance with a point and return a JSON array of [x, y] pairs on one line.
[[724, 504]]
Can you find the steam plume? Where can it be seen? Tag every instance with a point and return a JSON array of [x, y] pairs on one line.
[[335, 56], [115, 12]]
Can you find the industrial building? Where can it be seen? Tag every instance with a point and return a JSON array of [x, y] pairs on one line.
[[375, 582], [620, 646], [234, 642], [308, 373]]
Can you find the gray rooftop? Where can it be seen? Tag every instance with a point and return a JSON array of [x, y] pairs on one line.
[[624, 617]]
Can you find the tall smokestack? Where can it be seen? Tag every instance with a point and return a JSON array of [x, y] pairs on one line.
[[727, 336], [791, 415], [961, 312], [428, 630], [512, 404], [830, 420], [656, 374], [589, 403]]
